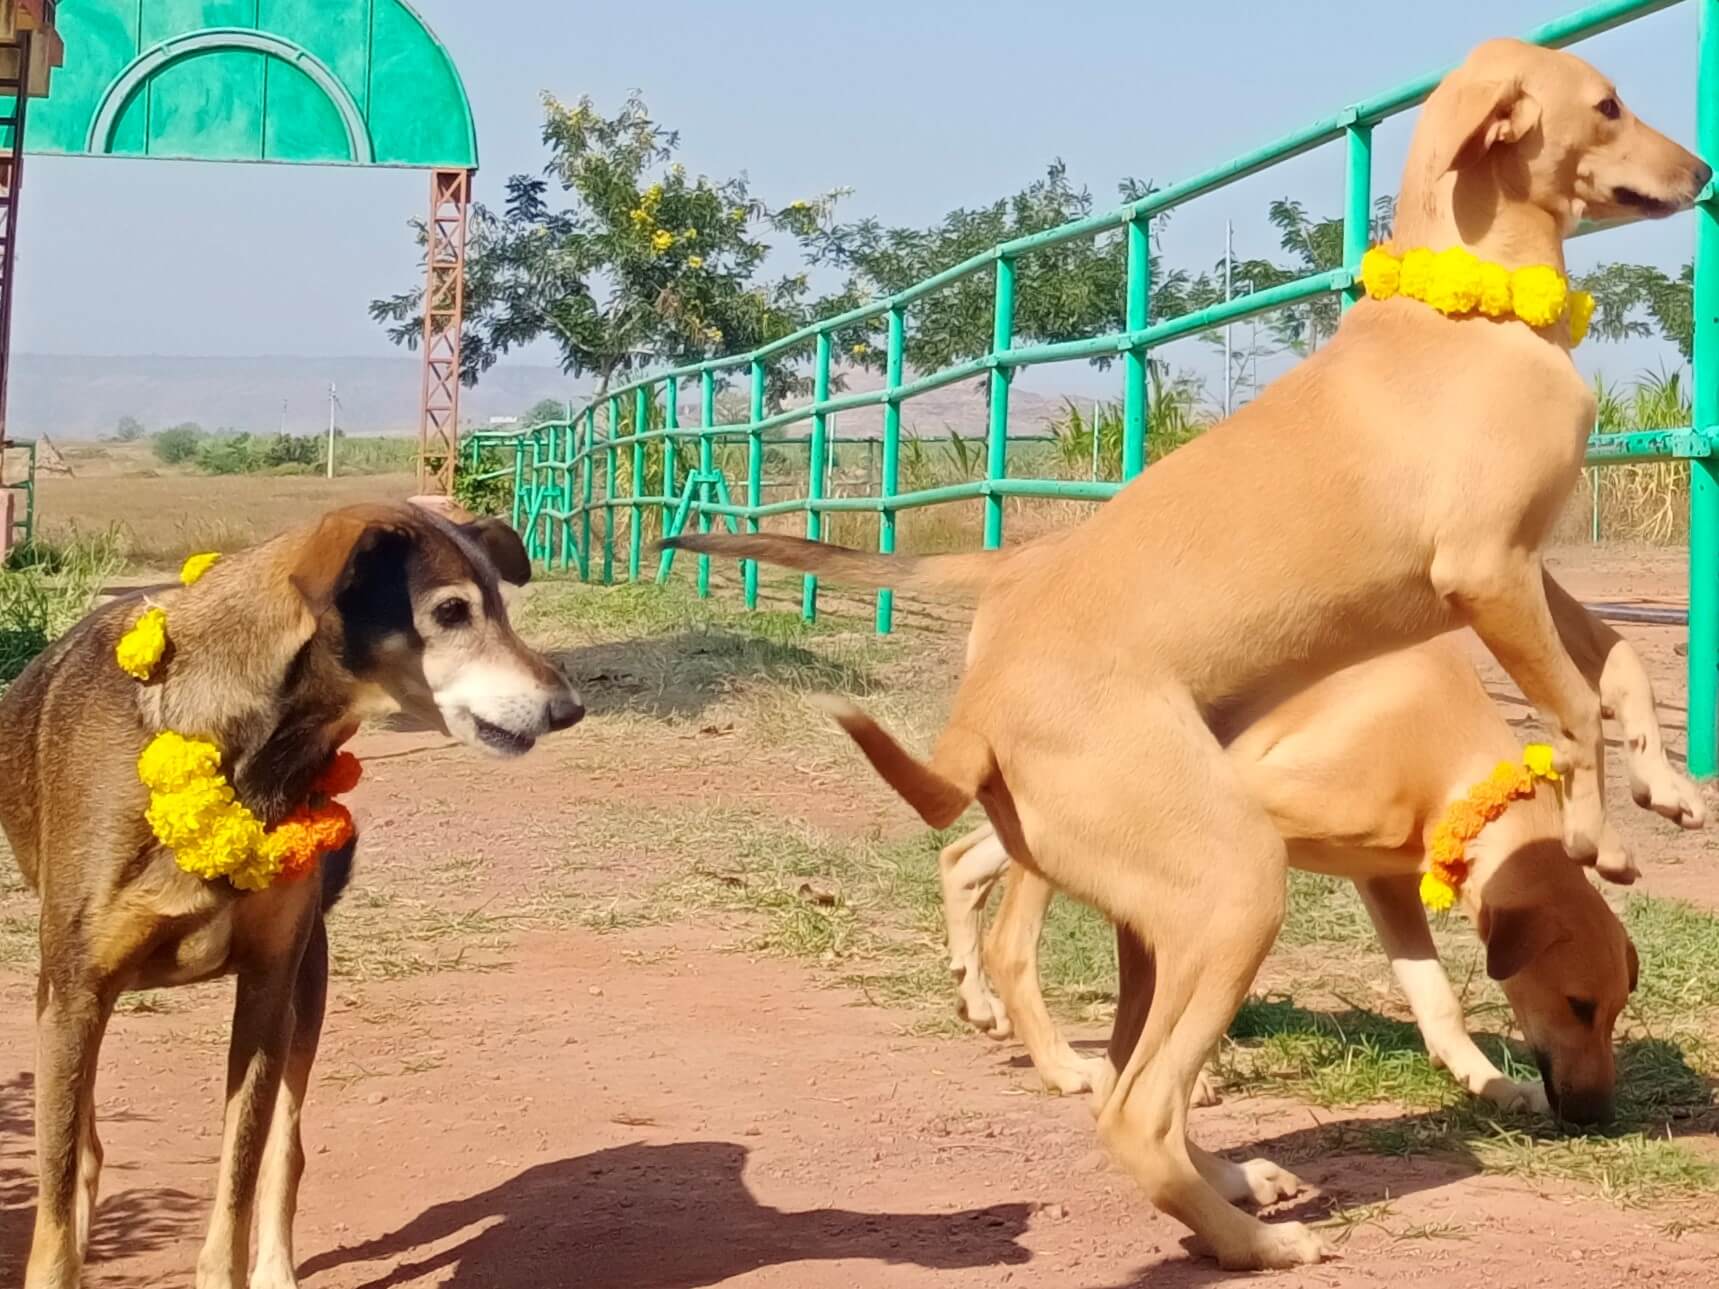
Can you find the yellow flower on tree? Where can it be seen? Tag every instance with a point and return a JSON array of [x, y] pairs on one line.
[[694, 262], [661, 240]]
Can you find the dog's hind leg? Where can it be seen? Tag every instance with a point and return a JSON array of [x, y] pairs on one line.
[[1012, 962], [71, 1017], [283, 1157], [968, 869], [1197, 872]]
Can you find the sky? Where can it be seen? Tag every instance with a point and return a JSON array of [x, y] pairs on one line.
[[918, 106]]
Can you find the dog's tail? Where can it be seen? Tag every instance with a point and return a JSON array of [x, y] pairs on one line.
[[967, 573], [939, 790]]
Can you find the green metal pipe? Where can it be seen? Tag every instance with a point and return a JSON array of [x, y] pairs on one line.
[[1136, 317], [817, 462], [889, 477], [1703, 749], [609, 491], [754, 479], [671, 421], [706, 466], [997, 452], [1357, 204], [586, 474], [518, 487], [636, 516]]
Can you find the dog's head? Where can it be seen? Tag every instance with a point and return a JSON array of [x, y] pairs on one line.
[[1518, 123], [1568, 968], [415, 601]]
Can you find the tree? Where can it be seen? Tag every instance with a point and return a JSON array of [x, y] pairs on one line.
[[128, 430], [645, 265], [544, 409], [179, 444], [1623, 293]]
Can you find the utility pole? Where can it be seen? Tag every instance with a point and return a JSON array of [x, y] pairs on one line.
[[333, 402]]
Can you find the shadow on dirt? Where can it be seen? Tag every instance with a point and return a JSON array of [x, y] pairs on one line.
[[641, 1216]]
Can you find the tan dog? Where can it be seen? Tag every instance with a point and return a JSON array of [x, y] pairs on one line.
[[274, 655], [1355, 772], [1396, 485]]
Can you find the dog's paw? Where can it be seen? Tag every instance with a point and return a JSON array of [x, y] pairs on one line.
[[1614, 862], [978, 1006], [1516, 1098], [1261, 1182], [1072, 1075], [1206, 1091], [1272, 1248], [1655, 786]]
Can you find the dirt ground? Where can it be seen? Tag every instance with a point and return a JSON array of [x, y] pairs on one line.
[[511, 1092]]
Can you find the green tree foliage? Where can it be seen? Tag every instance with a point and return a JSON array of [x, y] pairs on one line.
[[128, 430], [544, 409], [178, 445], [645, 264], [1641, 300]]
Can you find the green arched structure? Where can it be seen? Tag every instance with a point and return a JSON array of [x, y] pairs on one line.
[[327, 82]]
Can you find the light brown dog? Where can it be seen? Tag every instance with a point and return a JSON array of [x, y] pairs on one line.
[[1355, 772], [274, 655], [1396, 485]]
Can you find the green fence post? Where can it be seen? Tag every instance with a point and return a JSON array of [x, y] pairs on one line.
[[609, 491], [997, 448], [635, 534], [518, 483], [1136, 317], [570, 437], [706, 466], [1704, 471], [889, 475], [816, 452], [587, 467], [671, 421], [1357, 204], [754, 478]]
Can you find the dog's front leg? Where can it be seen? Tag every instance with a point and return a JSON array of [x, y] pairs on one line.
[[1616, 672], [283, 1157], [1502, 595], [1394, 905], [256, 1062], [71, 1016]]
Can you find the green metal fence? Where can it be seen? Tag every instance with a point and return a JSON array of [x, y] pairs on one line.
[[546, 461], [18, 475]]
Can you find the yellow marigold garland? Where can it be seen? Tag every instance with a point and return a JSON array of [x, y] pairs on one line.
[[193, 810], [197, 565], [1447, 850], [140, 648], [1455, 282]]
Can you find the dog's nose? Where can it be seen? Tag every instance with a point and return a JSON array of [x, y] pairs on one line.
[[565, 710], [1582, 1108], [1703, 173]]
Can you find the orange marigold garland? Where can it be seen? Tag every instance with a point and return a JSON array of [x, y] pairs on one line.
[[1447, 850]]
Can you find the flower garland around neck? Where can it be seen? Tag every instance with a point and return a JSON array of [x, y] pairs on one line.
[[1447, 855], [193, 808], [1457, 282]]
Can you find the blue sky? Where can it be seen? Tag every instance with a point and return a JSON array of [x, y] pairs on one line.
[[917, 107]]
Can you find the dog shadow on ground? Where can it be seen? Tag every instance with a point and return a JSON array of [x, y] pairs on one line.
[[681, 675], [640, 1215], [128, 1221]]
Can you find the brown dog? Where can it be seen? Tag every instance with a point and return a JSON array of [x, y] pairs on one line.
[[1396, 485], [1355, 772], [275, 655]]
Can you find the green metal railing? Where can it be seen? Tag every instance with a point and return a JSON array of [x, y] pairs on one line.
[[24, 516], [544, 459]]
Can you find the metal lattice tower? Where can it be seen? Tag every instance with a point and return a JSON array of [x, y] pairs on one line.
[[14, 84], [444, 317]]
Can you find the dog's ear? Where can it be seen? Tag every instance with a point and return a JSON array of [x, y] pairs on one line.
[[503, 546], [1634, 961], [1515, 936], [1468, 117], [322, 566]]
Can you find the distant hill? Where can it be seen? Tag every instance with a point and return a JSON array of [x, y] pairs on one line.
[[84, 397]]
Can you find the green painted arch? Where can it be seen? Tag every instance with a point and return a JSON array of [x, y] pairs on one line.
[[330, 82]]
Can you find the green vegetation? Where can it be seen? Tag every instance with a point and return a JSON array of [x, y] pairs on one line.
[[179, 444], [46, 588]]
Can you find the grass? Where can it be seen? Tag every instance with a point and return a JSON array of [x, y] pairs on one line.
[[45, 588]]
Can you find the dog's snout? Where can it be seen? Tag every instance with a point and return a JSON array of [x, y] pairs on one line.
[[1703, 175], [1585, 1108], [565, 709]]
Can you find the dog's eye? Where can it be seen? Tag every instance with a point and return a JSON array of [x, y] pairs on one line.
[[1583, 1010], [1608, 108], [452, 613]]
